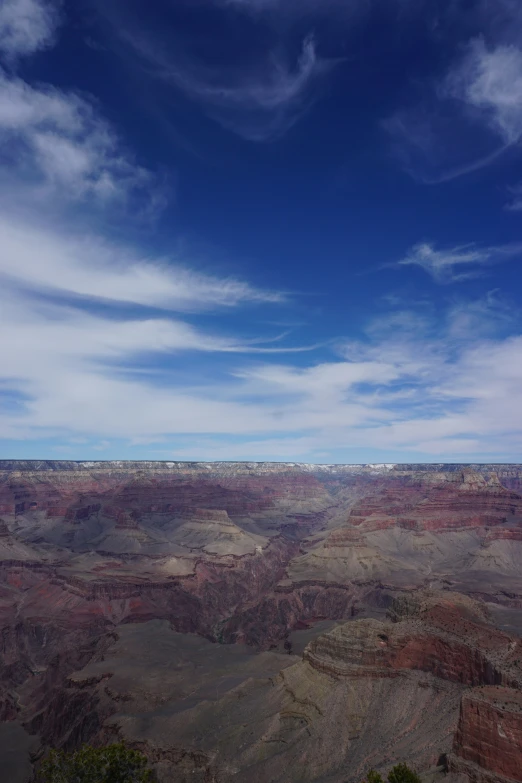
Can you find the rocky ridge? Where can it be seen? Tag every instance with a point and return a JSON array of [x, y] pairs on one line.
[[254, 553], [445, 635]]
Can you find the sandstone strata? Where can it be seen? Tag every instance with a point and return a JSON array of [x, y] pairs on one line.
[[443, 635], [247, 553], [488, 740]]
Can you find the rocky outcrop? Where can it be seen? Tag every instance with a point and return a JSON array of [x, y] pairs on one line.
[[271, 619], [440, 501], [210, 515], [437, 638], [270, 716], [358, 649], [488, 741], [448, 637]]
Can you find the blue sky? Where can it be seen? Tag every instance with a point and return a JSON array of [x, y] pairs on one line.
[[261, 229]]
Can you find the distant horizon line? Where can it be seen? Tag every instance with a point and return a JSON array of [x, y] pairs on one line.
[[173, 462]]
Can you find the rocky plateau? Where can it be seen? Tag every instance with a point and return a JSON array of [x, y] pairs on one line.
[[264, 621]]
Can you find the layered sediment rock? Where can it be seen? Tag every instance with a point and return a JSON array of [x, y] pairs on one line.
[[246, 553], [449, 638], [438, 502], [438, 638], [488, 741], [265, 717]]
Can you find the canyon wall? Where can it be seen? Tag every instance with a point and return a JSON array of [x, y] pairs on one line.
[[252, 554], [488, 741]]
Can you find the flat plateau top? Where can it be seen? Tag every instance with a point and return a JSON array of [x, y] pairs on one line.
[[225, 467]]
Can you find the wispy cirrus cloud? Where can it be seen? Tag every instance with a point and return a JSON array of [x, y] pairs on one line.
[[260, 101], [415, 385], [481, 96], [262, 106], [515, 201], [26, 26], [322, 382], [298, 8], [89, 357], [252, 6], [444, 392], [77, 300], [457, 263], [57, 261]]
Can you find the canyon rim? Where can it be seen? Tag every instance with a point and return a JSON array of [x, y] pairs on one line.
[[264, 621]]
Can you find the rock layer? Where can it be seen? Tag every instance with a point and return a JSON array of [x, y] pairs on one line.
[[249, 553], [488, 741], [436, 637]]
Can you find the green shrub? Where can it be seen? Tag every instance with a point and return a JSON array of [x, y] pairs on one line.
[[400, 773], [110, 764], [373, 777]]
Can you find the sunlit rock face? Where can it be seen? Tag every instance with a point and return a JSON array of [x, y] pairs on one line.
[[418, 567]]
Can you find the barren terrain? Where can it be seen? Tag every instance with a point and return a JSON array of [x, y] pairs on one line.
[[264, 622]]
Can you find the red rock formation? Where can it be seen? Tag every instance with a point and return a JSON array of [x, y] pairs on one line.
[[441, 501], [123, 519], [504, 534], [344, 537], [488, 741], [210, 514], [439, 639], [57, 511], [58, 599]]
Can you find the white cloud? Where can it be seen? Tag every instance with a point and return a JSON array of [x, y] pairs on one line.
[[66, 289], [481, 318], [457, 263], [26, 26], [83, 371], [479, 100], [490, 81], [320, 383], [68, 334], [420, 390], [83, 361], [24, 107], [59, 140], [53, 261]]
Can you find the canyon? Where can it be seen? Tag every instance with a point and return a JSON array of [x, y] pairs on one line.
[[263, 621]]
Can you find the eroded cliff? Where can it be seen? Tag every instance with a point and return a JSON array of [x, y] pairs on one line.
[[257, 554]]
